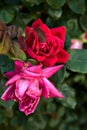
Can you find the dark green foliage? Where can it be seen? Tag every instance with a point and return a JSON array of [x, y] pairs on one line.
[[77, 61], [69, 113], [77, 6], [69, 96], [6, 64], [7, 15], [83, 22], [56, 4], [59, 76]]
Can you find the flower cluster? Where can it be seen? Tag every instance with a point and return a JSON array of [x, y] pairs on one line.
[[28, 82]]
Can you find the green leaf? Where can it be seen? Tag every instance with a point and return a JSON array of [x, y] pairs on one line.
[[32, 124], [61, 112], [53, 122], [26, 18], [6, 64], [16, 53], [2, 82], [77, 61], [55, 13], [18, 119], [2, 116], [59, 76], [83, 22], [69, 96], [6, 15], [56, 4], [51, 107], [41, 122], [67, 43], [7, 105], [33, 61], [77, 6], [73, 28], [50, 22]]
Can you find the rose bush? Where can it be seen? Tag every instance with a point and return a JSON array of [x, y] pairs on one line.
[[44, 44], [69, 113]]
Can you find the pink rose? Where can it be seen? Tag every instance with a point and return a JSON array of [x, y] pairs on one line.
[[28, 83], [76, 44], [44, 44]]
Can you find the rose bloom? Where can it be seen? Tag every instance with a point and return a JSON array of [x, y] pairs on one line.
[[76, 44], [44, 44], [27, 83]]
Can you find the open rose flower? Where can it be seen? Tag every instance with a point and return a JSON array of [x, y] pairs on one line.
[[28, 83], [44, 44]]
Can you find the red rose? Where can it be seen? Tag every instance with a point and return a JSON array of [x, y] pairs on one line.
[[44, 44]]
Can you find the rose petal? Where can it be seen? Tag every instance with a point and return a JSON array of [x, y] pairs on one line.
[[9, 93], [30, 38], [53, 92], [33, 89], [30, 75], [45, 91], [49, 71], [50, 61], [62, 56], [37, 23], [45, 29], [21, 87], [76, 44], [28, 29], [35, 68], [9, 74], [28, 105], [60, 43], [59, 32], [18, 65], [35, 56], [13, 79]]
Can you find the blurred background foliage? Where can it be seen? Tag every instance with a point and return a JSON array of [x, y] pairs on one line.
[[69, 113]]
